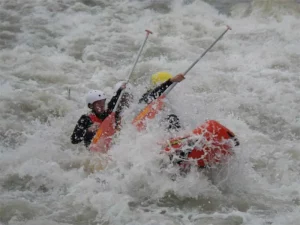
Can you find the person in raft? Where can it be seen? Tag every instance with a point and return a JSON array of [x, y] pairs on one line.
[[160, 82], [88, 124]]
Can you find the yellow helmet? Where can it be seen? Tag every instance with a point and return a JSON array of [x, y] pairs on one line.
[[160, 77]]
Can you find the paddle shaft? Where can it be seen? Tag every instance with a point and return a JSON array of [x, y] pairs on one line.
[[107, 128], [200, 57], [131, 72]]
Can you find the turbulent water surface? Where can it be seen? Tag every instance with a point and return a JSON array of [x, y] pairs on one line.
[[249, 82]]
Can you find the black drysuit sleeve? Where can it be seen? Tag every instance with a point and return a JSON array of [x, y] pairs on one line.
[[81, 133], [150, 95], [113, 101]]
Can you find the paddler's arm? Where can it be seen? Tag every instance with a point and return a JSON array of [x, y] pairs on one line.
[[158, 91], [81, 130], [149, 96], [113, 101]]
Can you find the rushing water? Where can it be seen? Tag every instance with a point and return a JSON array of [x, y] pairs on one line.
[[249, 82]]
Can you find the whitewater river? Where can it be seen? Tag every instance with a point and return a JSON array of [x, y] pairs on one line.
[[249, 82]]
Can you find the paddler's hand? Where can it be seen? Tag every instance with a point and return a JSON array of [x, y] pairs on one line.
[[94, 127], [177, 78], [123, 86]]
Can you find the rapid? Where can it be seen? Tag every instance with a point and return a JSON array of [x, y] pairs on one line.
[[249, 82]]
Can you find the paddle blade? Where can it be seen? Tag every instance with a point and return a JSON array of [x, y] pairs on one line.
[[149, 112], [102, 139]]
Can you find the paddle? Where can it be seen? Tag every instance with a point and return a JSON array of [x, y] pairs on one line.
[[152, 109], [102, 139]]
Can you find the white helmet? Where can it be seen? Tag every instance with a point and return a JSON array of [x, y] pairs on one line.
[[120, 83], [94, 95]]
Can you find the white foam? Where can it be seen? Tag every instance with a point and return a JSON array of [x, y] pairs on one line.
[[249, 82]]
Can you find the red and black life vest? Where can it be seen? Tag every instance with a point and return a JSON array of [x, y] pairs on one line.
[[94, 118]]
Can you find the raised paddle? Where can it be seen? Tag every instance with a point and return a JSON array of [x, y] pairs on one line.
[[102, 139], [152, 109]]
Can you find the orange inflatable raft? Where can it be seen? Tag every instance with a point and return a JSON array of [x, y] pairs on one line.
[[207, 145]]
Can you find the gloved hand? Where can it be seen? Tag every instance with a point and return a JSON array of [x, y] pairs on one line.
[[178, 78]]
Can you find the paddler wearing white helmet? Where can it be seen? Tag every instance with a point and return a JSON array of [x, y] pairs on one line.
[[89, 123]]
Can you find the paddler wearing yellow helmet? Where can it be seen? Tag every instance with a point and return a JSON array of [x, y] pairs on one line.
[[160, 82]]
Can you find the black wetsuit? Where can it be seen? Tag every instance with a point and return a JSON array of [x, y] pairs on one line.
[[81, 132], [149, 96]]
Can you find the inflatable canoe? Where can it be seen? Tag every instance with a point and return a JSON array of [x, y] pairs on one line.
[[207, 145]]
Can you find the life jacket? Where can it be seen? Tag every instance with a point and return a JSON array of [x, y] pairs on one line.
[[94, 118], [102, 145]]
